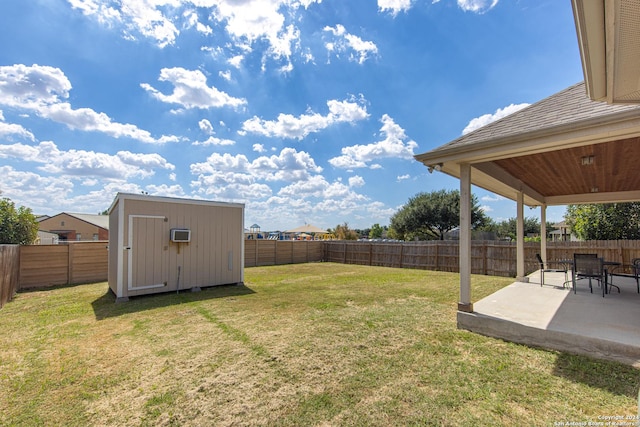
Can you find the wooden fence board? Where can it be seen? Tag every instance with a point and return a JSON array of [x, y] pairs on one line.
[[9, 271]]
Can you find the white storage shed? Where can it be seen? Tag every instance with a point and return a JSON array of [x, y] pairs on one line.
[[161, 244]]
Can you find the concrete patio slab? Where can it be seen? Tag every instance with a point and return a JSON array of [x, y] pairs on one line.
[[553, 317]]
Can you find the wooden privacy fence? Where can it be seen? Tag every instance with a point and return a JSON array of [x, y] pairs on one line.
[[9, 268], [72, 263], [274, 252], [85, 262], [492, 258]]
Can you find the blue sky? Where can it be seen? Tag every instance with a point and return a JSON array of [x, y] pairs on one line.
[[307, 111]]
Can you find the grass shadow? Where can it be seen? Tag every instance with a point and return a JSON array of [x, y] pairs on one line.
[[45, 288], [105, 306], [598, 373]]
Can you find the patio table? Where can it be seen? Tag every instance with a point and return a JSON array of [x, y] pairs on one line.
[[606, 272]]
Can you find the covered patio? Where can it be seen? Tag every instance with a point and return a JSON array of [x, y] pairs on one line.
[[553, 317], [580, 145]]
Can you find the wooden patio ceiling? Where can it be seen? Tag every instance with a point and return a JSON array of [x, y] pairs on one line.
[[597, 169]]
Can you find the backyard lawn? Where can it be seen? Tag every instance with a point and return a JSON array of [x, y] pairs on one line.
[[298, 345]]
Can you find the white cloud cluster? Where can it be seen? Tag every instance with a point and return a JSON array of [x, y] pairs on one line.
[[191, 90], [144, 17], [290, 165], [394, 6], [42, 89], [87, 164], [359, 50], [8, 130], [477, 6], [289, 126], [213, 140], [245, 21], [394, 145], [485, 119], [206, 126]]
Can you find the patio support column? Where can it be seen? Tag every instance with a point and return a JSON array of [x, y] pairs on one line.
[[465, 239], [520, 239], [543, 233]]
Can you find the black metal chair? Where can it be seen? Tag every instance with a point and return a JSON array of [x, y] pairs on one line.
[[626, 270], [589, 266], [546, 269]]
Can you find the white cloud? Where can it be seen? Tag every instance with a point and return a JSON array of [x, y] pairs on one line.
[[191, 90], [32, 190], [206, 126], [289, 126], [403, 177], [166, 190], [42, 89], [86, 119], [492, 198], [31, 87], [237, 178], [212, 140], [342, 42], [9, 129], [247, 22], [225, 75], [356, 181], [394, 6], [394, 145], [145, 17], [477, 6], [485, 119], [87, 164], [259, 148], [236, 61]]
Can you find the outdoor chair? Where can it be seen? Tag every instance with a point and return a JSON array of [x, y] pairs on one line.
[[546, 269], [589, 266], [626, 270]]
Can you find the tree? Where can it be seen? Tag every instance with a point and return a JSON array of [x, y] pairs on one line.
[[428, 216], [607, 221], [343, 232], [509, 228], [376, 231], [17, 226]]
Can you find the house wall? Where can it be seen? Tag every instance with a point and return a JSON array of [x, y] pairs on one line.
[[214, 256], [71, 227]]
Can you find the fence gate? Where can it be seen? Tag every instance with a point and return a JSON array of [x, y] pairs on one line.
[[148, 257]]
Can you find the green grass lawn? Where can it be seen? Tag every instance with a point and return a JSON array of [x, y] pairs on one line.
[[298, 345]]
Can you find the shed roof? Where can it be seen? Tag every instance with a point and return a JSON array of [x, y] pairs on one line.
[[539, 149]]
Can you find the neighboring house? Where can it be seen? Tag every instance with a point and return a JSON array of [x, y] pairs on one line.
[[77, 227], [562, 233]]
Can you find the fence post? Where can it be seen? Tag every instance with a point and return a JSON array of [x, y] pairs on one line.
[[401, 253], [70, 255], [484, 257]]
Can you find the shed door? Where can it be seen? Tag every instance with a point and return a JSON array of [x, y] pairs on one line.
[[148, 259]]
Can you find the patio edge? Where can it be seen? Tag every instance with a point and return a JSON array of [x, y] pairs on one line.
[[548, 339]]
